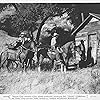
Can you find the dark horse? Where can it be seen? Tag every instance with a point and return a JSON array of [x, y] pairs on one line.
[[63, 38], [52, 56], [29, 48], [45, 53]]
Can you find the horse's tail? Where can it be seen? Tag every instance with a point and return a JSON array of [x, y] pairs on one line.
[[38, 55]]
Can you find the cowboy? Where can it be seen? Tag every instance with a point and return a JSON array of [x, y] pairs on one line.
[[89, 56], [17, 43], [70, 54], [53, 41], [70, 24], [82, 46], [29, 46]]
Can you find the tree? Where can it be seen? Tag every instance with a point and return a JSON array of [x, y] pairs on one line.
[[29, 14], [34, 16], [43, 21]]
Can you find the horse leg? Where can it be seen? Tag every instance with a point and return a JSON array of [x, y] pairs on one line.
[[62, 67], [32, 64], [62, 63], [54, 65], [53, 62], [38, 59], [27, 64], [0, 66], [0, 63], [38, 56], [20, 59], [67, 63], [8, 64], [16, 65], [24, 65], [40, 62], [38, 65]]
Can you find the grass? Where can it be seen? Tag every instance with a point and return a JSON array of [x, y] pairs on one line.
[[80, 81], [83, 81]]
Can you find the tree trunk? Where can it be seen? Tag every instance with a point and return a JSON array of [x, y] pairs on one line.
[[43, 22]]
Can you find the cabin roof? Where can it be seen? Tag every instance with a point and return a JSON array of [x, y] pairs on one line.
[[95, 15], [85, 22]]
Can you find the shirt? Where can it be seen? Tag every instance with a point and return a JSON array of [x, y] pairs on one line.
[[53, 41]]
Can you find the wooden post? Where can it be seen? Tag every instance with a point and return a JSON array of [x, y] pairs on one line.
[[82, 15]]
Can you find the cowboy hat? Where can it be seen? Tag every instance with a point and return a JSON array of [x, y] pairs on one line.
[[55, 34]]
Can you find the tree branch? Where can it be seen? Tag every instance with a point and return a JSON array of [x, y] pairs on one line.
[[43, 22]]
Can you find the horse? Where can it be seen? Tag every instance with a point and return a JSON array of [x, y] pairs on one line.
[[29, 50], [52, 56], [17, 56], [10, 59]]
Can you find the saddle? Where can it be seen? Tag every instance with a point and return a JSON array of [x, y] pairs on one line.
[[51, 53]]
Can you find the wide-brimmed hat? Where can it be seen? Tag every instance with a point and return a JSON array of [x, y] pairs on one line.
[[22, 34], [55, 34]]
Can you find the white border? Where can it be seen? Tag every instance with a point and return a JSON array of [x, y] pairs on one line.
[[49, 1], [94, 97]]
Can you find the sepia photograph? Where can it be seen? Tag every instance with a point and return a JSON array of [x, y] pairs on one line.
[[49, 48]]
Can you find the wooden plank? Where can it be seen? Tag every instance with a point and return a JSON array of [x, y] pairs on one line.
[[82, 25], [94, 44]]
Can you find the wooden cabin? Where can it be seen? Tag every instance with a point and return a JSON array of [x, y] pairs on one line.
[[89, 31]]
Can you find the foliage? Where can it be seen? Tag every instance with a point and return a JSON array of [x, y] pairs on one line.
[[30, 15]]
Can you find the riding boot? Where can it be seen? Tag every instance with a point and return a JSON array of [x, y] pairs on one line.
[[8, 64]]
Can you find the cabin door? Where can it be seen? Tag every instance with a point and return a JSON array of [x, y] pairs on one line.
[[92, 41], [85, 38]]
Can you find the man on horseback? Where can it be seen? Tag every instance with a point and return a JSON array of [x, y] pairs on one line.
[[29, 46], [60, 58], [11, 54], [20, 41], [25, 42], [54, 42]]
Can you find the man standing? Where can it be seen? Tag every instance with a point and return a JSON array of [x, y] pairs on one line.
[[83, 57]]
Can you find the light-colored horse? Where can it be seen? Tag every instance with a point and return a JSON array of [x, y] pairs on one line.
[[10, 58]]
